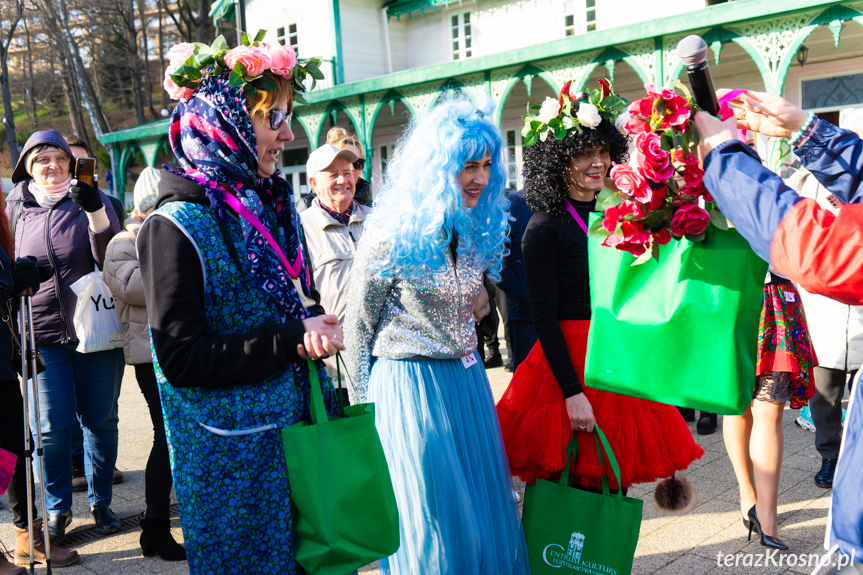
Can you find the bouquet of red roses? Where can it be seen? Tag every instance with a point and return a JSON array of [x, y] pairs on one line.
[[662, 196]]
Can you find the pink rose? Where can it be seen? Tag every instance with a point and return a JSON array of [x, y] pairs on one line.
[[662, 237], [283, 59], [179, 53], [633, 239], [655, 161], [689, 219], [629, 180], [615, 214], [256, 60], [174, 91], [634, 123]]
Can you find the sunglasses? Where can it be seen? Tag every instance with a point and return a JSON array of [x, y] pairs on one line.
[[360, 164], [277, 117]]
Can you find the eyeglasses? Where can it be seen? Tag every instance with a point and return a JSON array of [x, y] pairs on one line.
[[360, 164], [277, 117]]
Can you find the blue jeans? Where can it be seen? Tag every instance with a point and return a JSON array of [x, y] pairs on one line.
[[79, 390]]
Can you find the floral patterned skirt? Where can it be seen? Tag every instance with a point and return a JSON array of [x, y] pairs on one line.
[[785, 352]]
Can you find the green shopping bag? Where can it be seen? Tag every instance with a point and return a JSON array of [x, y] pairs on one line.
[[569, 531], [343, 504], [681, 331]]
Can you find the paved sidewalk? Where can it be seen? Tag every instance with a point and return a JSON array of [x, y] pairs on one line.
[[673, 545]]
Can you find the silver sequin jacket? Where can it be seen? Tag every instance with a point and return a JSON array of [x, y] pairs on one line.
[[399, 319]]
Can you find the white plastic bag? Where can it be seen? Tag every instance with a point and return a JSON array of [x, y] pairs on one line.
[[97, 324]]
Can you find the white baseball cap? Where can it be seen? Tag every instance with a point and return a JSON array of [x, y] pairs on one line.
[[321, 158]]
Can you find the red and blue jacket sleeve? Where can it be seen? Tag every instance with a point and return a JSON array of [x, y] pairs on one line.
[[821, 251]]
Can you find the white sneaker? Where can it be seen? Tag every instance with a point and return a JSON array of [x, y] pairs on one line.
[[804, 420]]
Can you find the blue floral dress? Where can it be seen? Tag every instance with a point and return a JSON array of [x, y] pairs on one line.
[[225, 447]]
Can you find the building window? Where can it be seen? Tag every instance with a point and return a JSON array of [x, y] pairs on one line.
[[569, 24], [384, 157], [461, 34], [514, 148], [288, 36], [168, 41], [590, 14]]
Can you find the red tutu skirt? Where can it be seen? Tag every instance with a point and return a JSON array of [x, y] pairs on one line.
[[650, 440]]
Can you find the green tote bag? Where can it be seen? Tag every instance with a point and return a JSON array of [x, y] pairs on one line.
[[681, 331], [343, 504], [569, 531]]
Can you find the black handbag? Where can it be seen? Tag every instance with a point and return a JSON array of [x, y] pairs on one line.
[[16, 344]]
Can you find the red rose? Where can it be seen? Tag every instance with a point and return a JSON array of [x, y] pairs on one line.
[[697, 191], [615, 214], [656, 199], [690, 168], [672, 110], [634, 239], [689, 219], [662, 237], [655, 161], [606, 89]]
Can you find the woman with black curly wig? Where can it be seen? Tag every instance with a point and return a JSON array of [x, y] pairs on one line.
[[546, 402]]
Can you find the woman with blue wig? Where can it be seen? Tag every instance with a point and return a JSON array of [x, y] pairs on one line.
[[439, 223]]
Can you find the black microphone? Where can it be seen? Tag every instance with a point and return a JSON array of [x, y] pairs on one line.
[[692, 51]]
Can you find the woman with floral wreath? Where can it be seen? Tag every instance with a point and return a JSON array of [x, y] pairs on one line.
[[546, 402], [231, 313], [439, 223]]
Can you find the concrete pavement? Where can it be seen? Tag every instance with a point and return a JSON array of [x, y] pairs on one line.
[[689, 544]]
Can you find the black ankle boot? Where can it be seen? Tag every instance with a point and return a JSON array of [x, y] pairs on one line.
[[156, 539], [688, 414], [706, 423]]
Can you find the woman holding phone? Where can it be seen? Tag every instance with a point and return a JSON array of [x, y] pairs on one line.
[[64, 223]]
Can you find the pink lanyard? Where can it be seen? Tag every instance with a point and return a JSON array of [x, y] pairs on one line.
[[293, 270], [575, 215]]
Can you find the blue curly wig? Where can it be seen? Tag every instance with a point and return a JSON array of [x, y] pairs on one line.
[[420, 203]]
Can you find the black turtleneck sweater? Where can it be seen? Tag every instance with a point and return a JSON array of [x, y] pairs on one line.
[[555, 262]]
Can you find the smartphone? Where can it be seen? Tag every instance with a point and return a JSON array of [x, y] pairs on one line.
[[85, 170]]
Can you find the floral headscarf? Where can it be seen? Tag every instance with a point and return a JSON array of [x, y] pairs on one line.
[[212, 138]]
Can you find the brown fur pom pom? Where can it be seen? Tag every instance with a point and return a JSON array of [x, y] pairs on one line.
[[675, 495]]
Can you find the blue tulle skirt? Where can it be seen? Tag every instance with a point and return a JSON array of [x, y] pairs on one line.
[[442, 440]]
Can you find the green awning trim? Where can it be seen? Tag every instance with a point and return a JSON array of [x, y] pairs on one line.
[[223, 9], [409, 6]]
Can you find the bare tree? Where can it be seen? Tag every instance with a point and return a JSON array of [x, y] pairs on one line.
[[31, 78], [10, 16], [56, 19], [191, 17]]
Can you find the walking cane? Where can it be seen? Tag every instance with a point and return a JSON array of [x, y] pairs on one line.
[[28, 366]]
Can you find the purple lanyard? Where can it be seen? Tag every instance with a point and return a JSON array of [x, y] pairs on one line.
[[244, 212], [575, 215]]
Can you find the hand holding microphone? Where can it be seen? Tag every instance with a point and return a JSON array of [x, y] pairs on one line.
[[692, 51], [760, 112]]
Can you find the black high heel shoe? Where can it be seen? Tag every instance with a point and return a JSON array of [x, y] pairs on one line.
[[766, 540]]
